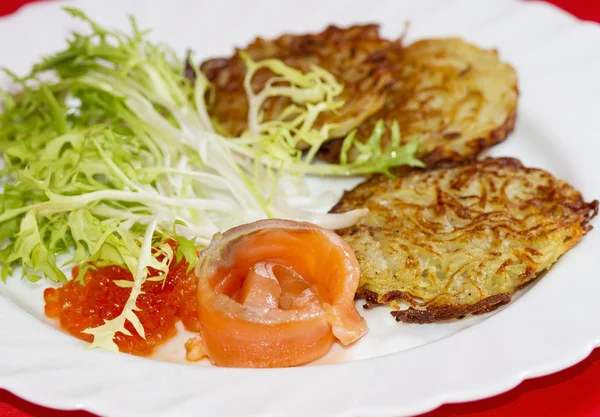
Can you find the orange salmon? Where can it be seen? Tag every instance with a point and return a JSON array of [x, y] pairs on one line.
[[276, 293]]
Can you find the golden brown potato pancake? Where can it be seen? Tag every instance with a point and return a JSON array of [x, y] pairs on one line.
[[350, 54], [453, 97], [462, 239]]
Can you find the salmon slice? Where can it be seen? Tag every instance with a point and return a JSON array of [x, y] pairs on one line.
[[276, 293]]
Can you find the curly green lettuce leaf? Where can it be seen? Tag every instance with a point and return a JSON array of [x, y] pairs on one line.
[[276, 143], [117, 144], [103, 336], [30, 248]]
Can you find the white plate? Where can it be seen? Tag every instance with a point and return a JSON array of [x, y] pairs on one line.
[[397, 369]]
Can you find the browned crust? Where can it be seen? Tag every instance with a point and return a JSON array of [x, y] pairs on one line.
[[429, 311], [438, 144], [588, 210], [440, 155], [448, 312], [404, 171], [351, 54], [590, 213], [432, 314]]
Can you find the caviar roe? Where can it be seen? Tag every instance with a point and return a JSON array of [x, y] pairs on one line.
[[163, 303]]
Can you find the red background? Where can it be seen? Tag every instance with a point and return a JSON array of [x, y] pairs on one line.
[[574, 392]]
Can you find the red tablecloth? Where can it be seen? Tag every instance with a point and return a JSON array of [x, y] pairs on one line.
[[574, 392]]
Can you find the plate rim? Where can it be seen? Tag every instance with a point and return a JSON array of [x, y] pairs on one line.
[[95, 405]]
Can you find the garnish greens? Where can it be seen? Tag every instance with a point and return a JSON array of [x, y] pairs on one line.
[[109, 154]]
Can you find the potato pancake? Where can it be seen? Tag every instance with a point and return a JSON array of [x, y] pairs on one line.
[[350, 54], [460, 239], [453, 97]]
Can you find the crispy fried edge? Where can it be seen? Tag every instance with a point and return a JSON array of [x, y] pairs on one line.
[[479, 145], [435, 313], [368, 31], [443, 312], [330, 151]]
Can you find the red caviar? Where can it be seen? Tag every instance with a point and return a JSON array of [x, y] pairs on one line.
[[78, 307]]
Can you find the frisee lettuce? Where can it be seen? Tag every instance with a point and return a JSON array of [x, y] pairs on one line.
[[146, 258], [276, 142], [110, 154]]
